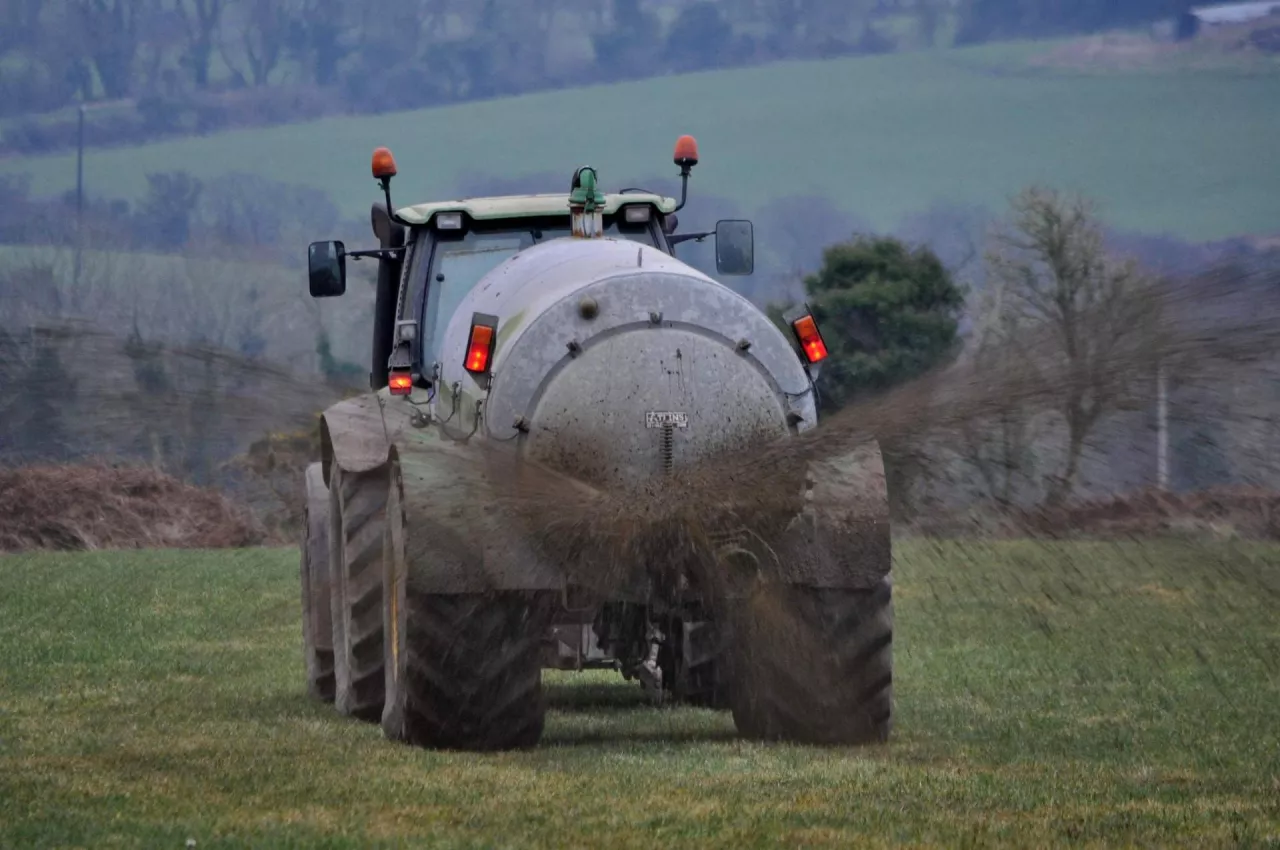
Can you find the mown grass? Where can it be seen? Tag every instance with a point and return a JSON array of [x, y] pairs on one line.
[[1183, 150], [1082, 694]]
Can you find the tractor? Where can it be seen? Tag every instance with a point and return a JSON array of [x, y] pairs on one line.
[[559, 335]]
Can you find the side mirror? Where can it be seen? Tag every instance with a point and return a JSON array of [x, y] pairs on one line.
[[327, 269], [735, 247]]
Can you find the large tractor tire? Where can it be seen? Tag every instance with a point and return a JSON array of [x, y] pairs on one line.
[[317, 619], [819, 670], [464, 671], [357, 514]]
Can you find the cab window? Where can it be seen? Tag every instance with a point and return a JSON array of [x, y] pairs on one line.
[[456, 262]]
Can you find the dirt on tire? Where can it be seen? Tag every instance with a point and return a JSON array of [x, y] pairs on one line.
[[470, 671], [357, 516], [814, 666], [317, 607]]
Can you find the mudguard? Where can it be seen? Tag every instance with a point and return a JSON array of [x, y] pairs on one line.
[[842, 537], [354, 434], [461, 535], [458, 537], [317, 494], [834, 534]]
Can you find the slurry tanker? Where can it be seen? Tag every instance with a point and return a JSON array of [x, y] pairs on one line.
[[558, 338]]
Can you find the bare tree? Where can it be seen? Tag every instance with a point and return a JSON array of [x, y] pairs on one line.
[[929, 16], [318, 42], [11, 364], [998, 445], [110, 34], [796, 26], [156, 38], [19, 23], [202, 19], [1091, 316], [264, 35]]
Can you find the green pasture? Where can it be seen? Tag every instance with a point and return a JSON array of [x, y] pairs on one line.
[[1080, 694], [1183, 149]]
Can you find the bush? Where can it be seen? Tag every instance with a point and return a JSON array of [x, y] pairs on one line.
[[97, 506]]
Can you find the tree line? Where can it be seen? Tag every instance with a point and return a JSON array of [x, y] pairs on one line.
[[1055, 383], [987, 20], [948, 286], [184, 66]]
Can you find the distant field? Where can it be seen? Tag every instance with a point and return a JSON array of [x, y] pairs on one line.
[[1186, 151], [1082, 695]]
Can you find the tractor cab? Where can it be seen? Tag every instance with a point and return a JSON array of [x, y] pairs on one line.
[[432, 254]]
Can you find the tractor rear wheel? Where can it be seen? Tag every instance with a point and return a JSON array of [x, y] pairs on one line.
[[821, 672], [357, 514], [470, 672], [317, 620], [464, 671]]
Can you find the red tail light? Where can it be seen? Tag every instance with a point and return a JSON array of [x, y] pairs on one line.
[[479, 348], [400, 383], [810, 340]]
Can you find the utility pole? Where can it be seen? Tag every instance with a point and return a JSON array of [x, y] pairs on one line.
[[1162, 429], [79, 193]]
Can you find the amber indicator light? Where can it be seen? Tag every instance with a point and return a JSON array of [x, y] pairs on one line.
[[686, 151], [384, 164]]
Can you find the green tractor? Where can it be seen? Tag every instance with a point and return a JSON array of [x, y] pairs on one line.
[[559, 333]]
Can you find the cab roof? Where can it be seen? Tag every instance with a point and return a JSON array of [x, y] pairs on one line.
[[522, 206]]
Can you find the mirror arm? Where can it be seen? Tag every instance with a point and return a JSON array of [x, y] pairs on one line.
[[391, 211], [685, 237], [380, 253], [684, 188]]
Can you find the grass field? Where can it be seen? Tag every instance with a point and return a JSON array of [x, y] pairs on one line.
[[1184, 151], [1089, 695]]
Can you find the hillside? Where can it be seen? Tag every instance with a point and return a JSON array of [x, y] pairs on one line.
[[1184, 151]]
